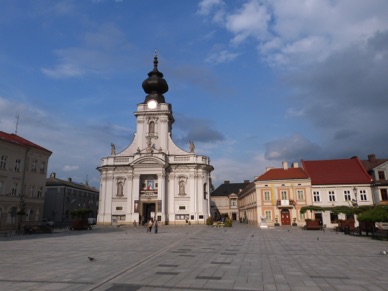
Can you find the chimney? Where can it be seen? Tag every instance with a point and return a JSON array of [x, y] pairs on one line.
[[53, 175], [295, 165], [285, 165], [69, 179], [246, 181], [372, 158], [226, 182]]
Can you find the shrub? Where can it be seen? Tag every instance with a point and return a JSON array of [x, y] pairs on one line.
[[228, 222], [209, 221]]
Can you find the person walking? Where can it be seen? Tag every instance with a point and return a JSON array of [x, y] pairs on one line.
[[156, 225], [149, 226]]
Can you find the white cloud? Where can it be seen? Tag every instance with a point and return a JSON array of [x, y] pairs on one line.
[[206, 6], [68, 168], [250, 21], [298, 32], [220, 57]]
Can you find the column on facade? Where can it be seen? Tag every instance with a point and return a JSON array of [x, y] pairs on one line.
[[129, 216], [172, 181], [162, 194], [105, 216]]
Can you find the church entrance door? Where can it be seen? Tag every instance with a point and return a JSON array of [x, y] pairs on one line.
[[148, 211]]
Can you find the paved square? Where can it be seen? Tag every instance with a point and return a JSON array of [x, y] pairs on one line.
[[193, 257]]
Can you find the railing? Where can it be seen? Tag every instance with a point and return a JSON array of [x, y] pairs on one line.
[[285, 203]]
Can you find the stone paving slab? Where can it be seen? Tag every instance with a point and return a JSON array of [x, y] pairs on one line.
[[193, 257]]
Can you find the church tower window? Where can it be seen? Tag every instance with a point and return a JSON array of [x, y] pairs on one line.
[[151, 127]]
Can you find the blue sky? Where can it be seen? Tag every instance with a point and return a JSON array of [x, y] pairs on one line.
[[252, 83]]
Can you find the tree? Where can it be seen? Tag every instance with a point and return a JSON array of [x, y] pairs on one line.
[[375, 214]]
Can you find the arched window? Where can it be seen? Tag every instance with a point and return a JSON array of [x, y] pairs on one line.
[[151, 127]]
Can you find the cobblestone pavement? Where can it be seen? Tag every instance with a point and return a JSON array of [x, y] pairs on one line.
[[193, 257]]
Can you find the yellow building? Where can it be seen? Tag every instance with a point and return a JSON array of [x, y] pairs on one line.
[[276, 197]]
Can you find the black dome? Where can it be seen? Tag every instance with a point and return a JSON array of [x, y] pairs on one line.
[[155, 85]]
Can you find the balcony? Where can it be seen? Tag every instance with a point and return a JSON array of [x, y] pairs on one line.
[[285, 203]]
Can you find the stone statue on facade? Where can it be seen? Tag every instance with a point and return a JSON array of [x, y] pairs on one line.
[[192, 146], [113, 149]]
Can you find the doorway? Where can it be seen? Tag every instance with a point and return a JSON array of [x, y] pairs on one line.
[[285, 217], [234, 216], [148, 211]]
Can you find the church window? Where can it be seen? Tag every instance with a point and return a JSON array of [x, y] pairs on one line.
[[151, 127], [182, 207]]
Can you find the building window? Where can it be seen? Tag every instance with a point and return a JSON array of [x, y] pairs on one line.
[[234, 203], [1, 188], [268, 215], [15, 189], [119, 208], [317, 198], [381, 175], [363, 195], [182, 207], [333, 218], [331, 196], [384, 194], [32, 190], [34, 165], [301, 216], [39, 193], [42, 168], [267, 196], [17, 165], [300, 195], [151, 127], [3, 162], [347, 195], [283, 194]]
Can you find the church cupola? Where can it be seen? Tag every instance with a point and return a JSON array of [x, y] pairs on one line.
[[155, 86]]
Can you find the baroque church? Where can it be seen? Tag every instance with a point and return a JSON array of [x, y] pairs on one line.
[[153, 177]]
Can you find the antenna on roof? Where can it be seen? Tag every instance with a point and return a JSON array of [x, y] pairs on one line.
[[17, 123], [86, 182]]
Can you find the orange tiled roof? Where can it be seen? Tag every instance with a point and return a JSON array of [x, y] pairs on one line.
[[342, 171], [283, 174]]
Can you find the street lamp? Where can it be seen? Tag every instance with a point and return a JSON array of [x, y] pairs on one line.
[[355, 196]]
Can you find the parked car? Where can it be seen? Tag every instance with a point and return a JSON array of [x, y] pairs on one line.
[[46, 222]]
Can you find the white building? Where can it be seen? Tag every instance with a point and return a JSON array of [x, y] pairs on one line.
[[152, 177], [341, 182]]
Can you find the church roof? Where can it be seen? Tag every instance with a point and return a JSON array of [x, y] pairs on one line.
[[155, 85], [229, 188], [283, 174], [15, 139], [341, 171]]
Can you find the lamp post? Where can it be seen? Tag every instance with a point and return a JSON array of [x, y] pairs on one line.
[[355, 196]]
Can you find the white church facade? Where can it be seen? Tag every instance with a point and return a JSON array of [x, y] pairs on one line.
[[153, 177]]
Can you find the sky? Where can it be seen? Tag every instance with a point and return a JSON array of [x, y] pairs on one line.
[[252, 83]]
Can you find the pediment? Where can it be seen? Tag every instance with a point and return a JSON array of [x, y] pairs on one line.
[[148, 161]]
